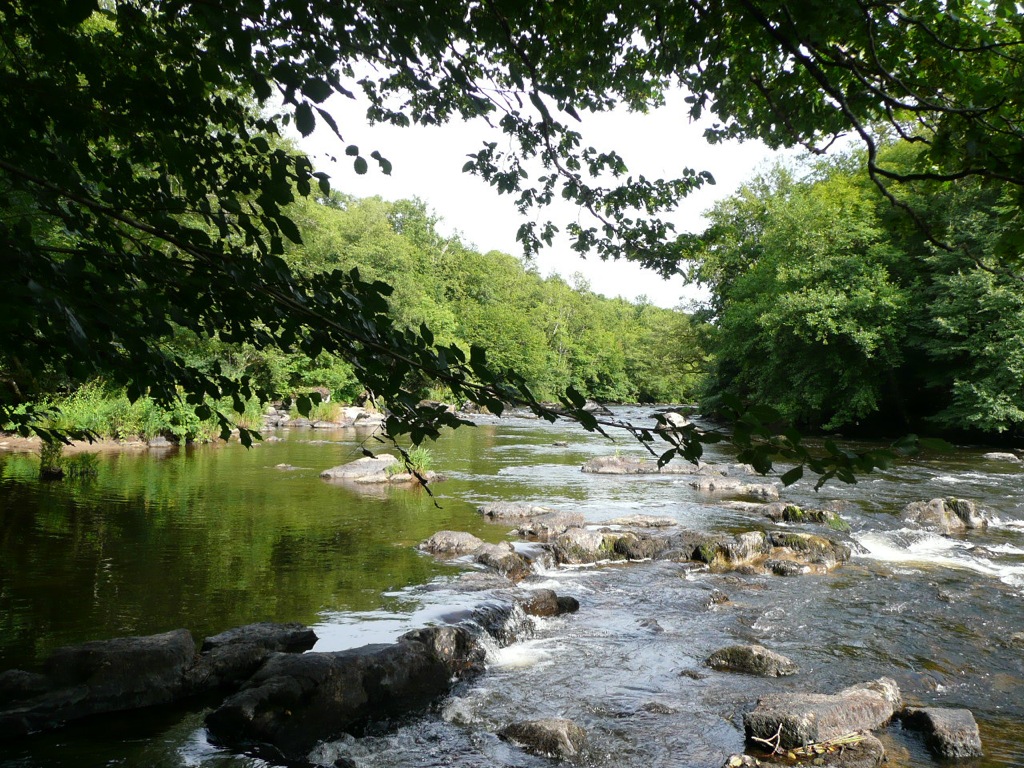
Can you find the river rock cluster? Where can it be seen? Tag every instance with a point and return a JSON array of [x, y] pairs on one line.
[[280, 700]]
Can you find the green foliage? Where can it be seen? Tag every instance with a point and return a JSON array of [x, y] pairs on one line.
[[417, 460], [833, 309], [51, 460], [145, 187], [82, 466]]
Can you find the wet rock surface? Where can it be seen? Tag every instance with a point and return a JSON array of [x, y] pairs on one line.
[[296, 701], [808, 718], [948, 516], [951, 734], [752, 660], [556, 738]]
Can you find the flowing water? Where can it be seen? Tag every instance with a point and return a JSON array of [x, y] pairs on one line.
[[216, 537]]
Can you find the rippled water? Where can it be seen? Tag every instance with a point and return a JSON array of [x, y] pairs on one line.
[[221, 537]]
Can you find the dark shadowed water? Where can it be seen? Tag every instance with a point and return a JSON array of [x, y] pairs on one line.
[[216, 537]]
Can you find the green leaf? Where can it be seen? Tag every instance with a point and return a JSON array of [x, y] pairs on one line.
[[305, 121], [383, 162], [790, 477], [290, 229], [575, 397]]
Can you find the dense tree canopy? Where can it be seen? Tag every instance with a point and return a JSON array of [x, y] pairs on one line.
[[143, 187], [832, 309]]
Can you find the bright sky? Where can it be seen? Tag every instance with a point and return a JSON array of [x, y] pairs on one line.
[[427, 163]]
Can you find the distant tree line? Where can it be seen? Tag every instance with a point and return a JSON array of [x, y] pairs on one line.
[[554, 334]]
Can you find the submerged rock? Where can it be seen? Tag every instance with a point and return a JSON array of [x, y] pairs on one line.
[[97, 677], [947, 516], [557, 738], [950, 733], [752, 660], [295, 701], [809, 718]]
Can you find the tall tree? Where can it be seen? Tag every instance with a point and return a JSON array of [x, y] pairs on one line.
[[141, 185]]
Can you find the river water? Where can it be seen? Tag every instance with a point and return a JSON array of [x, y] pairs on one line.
[[220, 536]]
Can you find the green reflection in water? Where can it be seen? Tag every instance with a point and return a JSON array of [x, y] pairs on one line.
[[212, 538]]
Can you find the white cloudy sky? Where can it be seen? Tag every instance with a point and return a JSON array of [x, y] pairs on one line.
[[427, 163]]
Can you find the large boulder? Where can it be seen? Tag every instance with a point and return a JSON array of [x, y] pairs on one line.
[[951, 733], [808, 548], [947, 516], [557, 738], [97, 677], [295, 701], [232, 657], [808, 718], [580, 545], [752, 660]]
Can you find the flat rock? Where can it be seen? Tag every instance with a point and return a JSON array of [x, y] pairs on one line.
[[557, 738], [451, 543], [808, 718], [729, 486], [752, 660], [634, 465], [507, 510], [287, 638], [546, 526], [642, 521], [366, 467], [951, 733], [1002, 456]]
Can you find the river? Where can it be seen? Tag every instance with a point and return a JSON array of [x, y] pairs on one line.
[[218, 536]]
